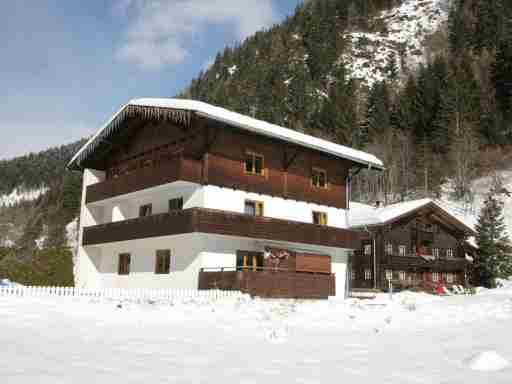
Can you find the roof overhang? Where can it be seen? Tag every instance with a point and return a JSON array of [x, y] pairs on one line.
[[181, 111]]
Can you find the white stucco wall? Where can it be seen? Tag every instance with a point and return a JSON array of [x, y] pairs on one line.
[[84, 263], [191, 252], [195, 195]]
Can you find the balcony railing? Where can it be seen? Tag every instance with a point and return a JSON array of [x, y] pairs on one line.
[[177, 168], [270, 282], [222, 223]]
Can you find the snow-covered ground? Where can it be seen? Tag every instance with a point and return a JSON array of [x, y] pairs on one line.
[[407, 27], [415, 338], [19, 195]]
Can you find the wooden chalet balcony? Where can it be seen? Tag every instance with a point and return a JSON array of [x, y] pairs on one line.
[[223, 223], [177, 168], [417, 261], [270, 282]]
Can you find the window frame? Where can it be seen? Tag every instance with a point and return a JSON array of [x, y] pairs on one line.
[[143, 207], [317, 170], [123, 266], [435, 277], [450, 254], [322, 218], [388, 273], [367, 274], [402, 276], [180, 203], [166, 270], [367, 246], [389, 249], [259, 206], [254, 155], [402, 250]]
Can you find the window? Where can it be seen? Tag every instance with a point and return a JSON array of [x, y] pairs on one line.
[[402, 250], [253, 208], [401, 275], [367, 249], [145, 210], [389, 249], [435, 252], [249, 261], [367, 274], [319, 178], [254, 164], [320, 218], [123, 267], [435, 277], [353, 274], [449, 277], [389, 274], [176, 204], [163, 262], [449, 253]]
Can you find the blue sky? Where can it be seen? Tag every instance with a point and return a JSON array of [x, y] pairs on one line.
[[66, 66]]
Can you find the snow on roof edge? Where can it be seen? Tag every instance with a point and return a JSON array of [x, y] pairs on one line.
[[247, 123], [371, 216]]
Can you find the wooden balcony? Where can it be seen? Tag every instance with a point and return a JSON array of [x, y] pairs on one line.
[[270, 283], [174, 169], [222, 223], [413, 261]]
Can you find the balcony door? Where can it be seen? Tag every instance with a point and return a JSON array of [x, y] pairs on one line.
[[249, 261]]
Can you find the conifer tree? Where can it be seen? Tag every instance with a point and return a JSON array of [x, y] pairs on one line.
[[494, 249]]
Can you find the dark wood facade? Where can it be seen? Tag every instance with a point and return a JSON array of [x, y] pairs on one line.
[[220, 222], [419, 251], [270, 283], [150, 154]]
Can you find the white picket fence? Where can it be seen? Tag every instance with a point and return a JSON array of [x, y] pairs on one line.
[[124, 294]]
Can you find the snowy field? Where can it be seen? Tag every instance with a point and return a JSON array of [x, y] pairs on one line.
[[416, 338]]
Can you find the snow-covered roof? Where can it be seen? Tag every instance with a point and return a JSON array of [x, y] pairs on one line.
[[240, 121], [366, 215]]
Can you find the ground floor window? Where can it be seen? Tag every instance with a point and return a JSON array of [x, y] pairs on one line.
[[435, 277], [163, 262], [123, 267], [449, 277], [389, 249], [401, 275], [389, 274], [367, 274], [249, 261]]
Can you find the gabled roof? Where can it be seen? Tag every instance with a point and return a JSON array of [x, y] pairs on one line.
[[231, 118], [362, 215]]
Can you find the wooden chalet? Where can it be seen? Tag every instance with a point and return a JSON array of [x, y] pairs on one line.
[[179, 193], [414, 245]]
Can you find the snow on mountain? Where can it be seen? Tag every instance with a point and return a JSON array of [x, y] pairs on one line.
[[402, 31], [18, 195]]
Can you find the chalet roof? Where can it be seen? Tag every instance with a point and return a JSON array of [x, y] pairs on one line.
[[362, 215], [158, 107]]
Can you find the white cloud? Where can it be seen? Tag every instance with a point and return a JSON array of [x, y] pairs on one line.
[[159, 31]]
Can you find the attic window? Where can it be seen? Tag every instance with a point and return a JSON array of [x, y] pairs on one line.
[[319, 178], [254, 164]]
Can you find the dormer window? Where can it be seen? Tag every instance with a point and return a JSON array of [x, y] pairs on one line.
[[254, 164], [319, 178]]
